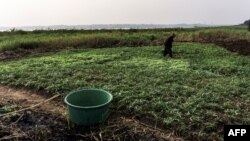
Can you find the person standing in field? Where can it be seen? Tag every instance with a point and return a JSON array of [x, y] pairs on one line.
[[168, 46]]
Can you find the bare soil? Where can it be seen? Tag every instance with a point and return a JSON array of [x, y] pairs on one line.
[[241, 46], [19, 53], [49, 122]]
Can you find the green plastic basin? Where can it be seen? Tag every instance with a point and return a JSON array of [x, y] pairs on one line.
[[88, 106]]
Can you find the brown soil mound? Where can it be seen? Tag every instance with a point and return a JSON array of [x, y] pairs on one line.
[[242, 46], [8, 55]]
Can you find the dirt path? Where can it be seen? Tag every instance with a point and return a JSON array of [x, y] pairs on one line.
[[49, 122], [26, 98]]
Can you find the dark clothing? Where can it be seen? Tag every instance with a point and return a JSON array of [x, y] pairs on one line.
[[169, 41], [168, 46], [168, 51]]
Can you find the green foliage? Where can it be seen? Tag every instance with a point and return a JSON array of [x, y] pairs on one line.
[[194, 94], [16, 39], [7, 108]]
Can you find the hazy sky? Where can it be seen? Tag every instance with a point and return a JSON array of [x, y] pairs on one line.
[[76, 12]]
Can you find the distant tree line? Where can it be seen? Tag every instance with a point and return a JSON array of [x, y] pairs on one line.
[[247, 22]]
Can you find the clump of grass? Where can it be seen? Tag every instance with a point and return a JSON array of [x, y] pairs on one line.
[[7, 108], [40, 133], [194, 94]]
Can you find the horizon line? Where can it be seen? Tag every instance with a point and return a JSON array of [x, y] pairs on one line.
[[207, 24]]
